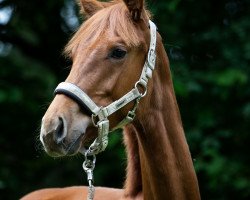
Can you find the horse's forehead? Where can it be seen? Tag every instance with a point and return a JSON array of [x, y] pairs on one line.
[[111, 27], [97, 45]]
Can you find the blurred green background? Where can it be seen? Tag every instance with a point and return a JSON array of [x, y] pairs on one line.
[[208, 44]]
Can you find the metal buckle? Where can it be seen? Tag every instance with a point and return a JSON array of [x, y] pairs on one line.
[[139, 85], [130, 115]]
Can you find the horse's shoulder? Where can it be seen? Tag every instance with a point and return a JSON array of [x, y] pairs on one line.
[[73, 193], [57, 193]]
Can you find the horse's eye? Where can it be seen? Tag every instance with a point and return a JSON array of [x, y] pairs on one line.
[[118, 53]]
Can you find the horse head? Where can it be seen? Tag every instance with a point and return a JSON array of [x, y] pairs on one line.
[[108, 53]]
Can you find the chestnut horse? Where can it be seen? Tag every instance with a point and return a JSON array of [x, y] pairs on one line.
[[108, 53]]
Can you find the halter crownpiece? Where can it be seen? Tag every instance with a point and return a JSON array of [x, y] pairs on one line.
[[100, 114]]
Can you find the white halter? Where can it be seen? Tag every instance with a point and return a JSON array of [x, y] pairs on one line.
[[102, 113]]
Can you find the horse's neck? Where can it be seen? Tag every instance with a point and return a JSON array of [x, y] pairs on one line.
[[159, 161]]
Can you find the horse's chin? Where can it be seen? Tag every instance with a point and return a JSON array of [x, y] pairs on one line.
[[79, 144], [65, 148]]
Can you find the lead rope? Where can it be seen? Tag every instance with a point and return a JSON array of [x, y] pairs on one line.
[[89, 166]]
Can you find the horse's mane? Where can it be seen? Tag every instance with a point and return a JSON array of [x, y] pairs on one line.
[[114, 18]]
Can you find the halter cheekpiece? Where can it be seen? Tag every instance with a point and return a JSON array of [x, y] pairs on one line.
[[100, 114]]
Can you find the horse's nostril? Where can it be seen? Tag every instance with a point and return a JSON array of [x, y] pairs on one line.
[[60, 131]]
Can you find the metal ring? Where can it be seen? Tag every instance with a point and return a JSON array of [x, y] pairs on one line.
[[87, 155], [137, 84], [89, 164]]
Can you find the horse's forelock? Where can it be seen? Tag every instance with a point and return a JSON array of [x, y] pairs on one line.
[[114, 18]]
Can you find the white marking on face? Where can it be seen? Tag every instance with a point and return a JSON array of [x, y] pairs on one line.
[[42, 132]]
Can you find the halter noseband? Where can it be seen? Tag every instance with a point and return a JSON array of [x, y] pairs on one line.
[[102, 113]]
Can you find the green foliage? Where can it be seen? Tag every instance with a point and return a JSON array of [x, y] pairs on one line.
[[209, 50]]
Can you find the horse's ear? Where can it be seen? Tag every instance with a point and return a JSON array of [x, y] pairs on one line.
[[135, 8], [90, 7]]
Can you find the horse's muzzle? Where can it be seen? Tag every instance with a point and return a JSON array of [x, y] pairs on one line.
[[52, 136]]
